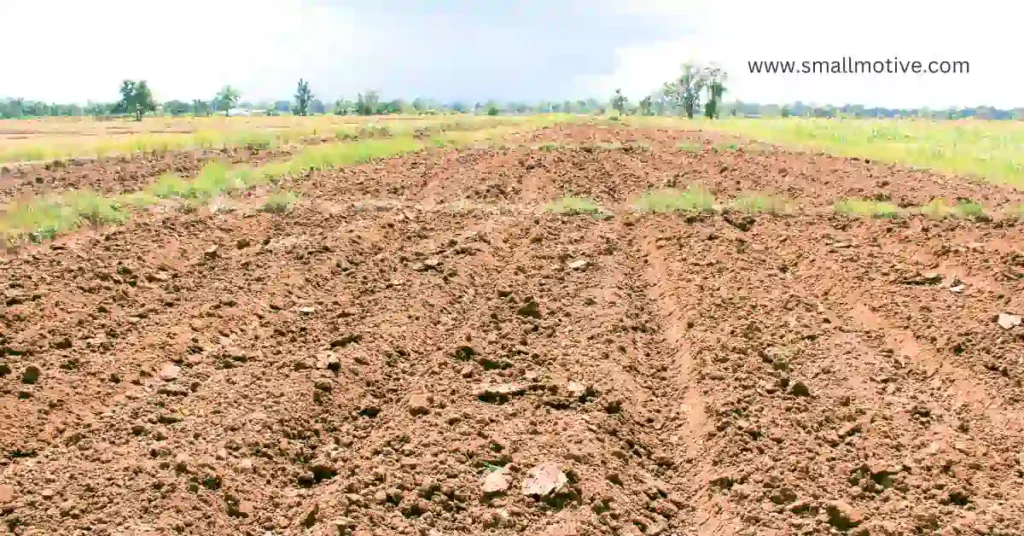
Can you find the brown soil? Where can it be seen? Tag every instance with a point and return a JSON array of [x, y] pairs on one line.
[[418, 349]]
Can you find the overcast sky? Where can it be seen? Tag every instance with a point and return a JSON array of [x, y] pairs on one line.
[[73, 50]]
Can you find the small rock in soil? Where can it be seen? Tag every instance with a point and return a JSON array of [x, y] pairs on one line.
[[501, 393], [169, 372], [429, 264], [419, 404], [581, 264], [322, 469], [245, 509], [928, 278], [843, 516], [544, 480], [800, 389], [5, 369], [529, 309], [309, 517], [329, 361], [1008, 321], [30, 375], [6, 493], [497, 482], [243, 243], [210, 252]]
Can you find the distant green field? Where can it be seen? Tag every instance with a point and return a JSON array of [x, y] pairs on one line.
[[989, 150]]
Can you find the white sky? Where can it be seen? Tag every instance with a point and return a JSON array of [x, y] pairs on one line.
[[75, 50], [984, 32]]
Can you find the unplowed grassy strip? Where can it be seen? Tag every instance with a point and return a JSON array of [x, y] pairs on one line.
[[39, 219]]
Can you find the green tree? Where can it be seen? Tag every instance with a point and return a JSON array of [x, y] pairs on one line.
[[368, 103], [619, 102], [691, 83], [176, 107], [226, 99], [303, 98], [646, 106], [200, 107], [344, 107], [715, 82], [136, 99]]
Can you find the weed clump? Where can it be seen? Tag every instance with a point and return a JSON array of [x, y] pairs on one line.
[[696, 198], [867, 208], [574, 206], [280, 202], [938, 209], [763, 204]]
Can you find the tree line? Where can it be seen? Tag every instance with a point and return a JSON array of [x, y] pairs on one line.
[[698, 91]]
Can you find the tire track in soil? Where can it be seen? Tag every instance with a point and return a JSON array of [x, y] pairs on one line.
[[866, 435]]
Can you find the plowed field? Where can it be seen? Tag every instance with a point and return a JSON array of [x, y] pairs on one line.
[[418, 348]]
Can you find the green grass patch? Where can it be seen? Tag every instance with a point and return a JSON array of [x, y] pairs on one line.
[[696, 198], [991, 150], [280, 202], [969, 209], [866, 208], [726, 147], [44, 218], [938, 209], [327, 156], [754, 203], [690, 147], [574, 206]]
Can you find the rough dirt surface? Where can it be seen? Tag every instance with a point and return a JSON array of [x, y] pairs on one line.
[[418, 349]]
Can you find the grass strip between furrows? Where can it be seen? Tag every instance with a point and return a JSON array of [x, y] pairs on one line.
[[322, 128], [990, 150], [575, 206], [695, 198], [756, 203], [867, 208], [939, 209], [38, 219]]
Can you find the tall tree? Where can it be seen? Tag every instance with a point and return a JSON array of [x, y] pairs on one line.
[[368, 103], [619, 102], [303, 98], [226, 99], [715, 81], [691, 83], [645, 106], [136, 99]]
